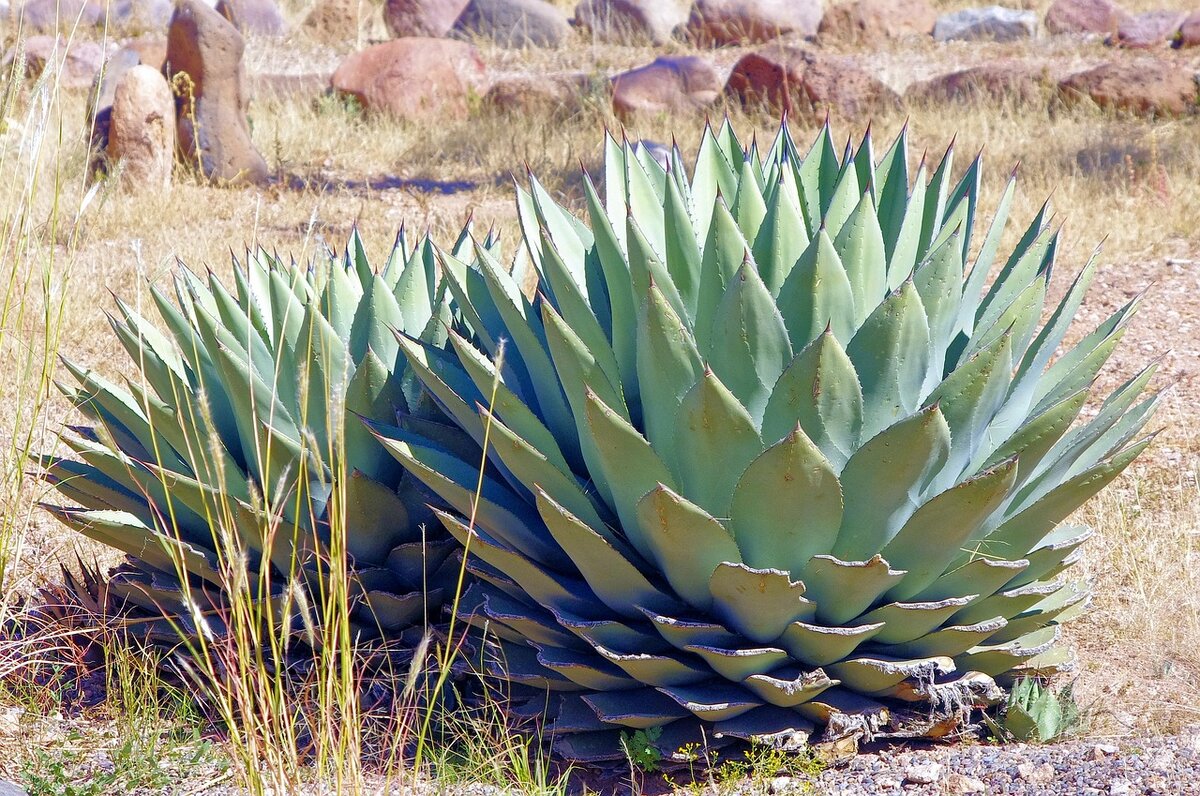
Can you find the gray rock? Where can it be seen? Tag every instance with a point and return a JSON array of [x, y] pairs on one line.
[[631, 20], [142, 130], [923, 773], [216, 137], [996, 23], [133, 17], [11, 789], [514, 23]]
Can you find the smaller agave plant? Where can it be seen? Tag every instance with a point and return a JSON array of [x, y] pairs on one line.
[[236, 447], [772, 447]]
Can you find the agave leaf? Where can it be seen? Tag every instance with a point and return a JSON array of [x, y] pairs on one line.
[[894, 468], [760, 603], [819, 390], [589, 671], [982, 575], [749, 207], [639, 708], [606, 568], [609, 253], [844, 589], [738, 664], [891, 356], [750, 347], [902, 252], [935, 534], [938, 280], [818, 645], [725, 249], [817, 295], [578, 371], [787, 506], [782, 237], [686, 542], [715, 439], [712, 176], [668, 366], [785, 688], [860, 247], [1016, 536], [681, 252], [628, 464], [875, 674], [713, 701], [658, 669], [572, 306]]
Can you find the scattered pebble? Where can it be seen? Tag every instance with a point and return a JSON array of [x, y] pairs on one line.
[[923, 773], [957, 784]]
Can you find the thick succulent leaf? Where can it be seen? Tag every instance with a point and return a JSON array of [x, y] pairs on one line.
[[844, 589], [907, 621], [682, 252], [589, 671], [893, 468], [782, 237], [550, 590], [902, 254], [818, 645], [935, 534], [577, 370], [982, 575], [572, 305], [861, 250], [606, 568], [938, 280], [817, 295], [668, 364], [493, 506], [750, 347], [819, 390], [447, 381], [785, 688], [951, 641], [659, 669], [640, 708], [787, 505], [628, 464], [715, 439], [738, 664], [686, 542], [713, 701], [875, 674], [1017, 536], [712, 176], [725, 249], [623, 308], [749, 207], [375, 518], [760, 603], [891, 356]]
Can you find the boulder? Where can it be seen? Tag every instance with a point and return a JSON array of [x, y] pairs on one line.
[[743, 21], [545, 95], [1151, 29], [47, 16], [413, 78], [864, 21], [631, 21], [1087, 17], [995, 23], [1148, 86], [137, 17], [1189, 31], [799, 80], [150, 50], [254, 17], [100, 100], [432, 18], [336, 20], [76, 65], [212, 132], [995, 83], [514, 23], [141, 135], [669, 84]]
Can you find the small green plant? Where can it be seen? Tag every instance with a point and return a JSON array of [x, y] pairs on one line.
[[1037, 713], [641, 750]]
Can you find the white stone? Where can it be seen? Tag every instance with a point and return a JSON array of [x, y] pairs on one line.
[[996, 23]]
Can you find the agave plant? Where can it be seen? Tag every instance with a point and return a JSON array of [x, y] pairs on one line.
[[237, 436], [769, 446]]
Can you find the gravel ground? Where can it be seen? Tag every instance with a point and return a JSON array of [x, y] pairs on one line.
[[1159, 766]]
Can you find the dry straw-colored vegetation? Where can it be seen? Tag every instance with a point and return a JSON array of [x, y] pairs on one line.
[[1134, 183]]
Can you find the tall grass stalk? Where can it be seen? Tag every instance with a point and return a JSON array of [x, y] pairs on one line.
[[42, 197]]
